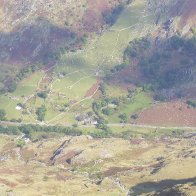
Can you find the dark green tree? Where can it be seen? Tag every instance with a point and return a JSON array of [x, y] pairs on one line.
[[41, 112], [2, 114]]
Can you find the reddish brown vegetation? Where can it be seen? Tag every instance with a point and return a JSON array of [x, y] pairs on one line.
[[189, 16], [92, 90], [127, 77], [92, 18], [176, 113], [7, 183], [114, 170], [8, 171]]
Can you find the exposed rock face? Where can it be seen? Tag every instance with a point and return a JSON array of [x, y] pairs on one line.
[[67, 157], [59, 150], [71, 13], [19, 12], [62, 155]]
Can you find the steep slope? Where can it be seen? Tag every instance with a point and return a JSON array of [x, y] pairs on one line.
[[164, 60], [39, 31], [71, 13]]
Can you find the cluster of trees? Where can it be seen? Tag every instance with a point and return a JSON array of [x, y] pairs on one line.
[[118, 67], [19, 120], [192, 103], [10, 86], [102, 88], [42, 94], [41, 112], [112, 16], [123, 118], [26, 71], [10, 83], [109, 106], [2, 115], [45, 131], [155, 60], [187, 45], [11, 130], [102, 133], [103, 105], [64, 107], [110, 74], [137, 48], [101, 122], [29, 129], [20, 143]]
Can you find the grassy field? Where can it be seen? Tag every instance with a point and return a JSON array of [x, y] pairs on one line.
[[28, 85], [107, 50], [139, 101], [9, 106]]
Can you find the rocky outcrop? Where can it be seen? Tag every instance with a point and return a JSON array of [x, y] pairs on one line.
[[64, 156], [59, 151]]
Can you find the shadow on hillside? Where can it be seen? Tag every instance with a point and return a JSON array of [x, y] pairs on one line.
[[147, 187], [40, 41]]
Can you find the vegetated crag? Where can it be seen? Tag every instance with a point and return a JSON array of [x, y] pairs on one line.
[[70, 13], [164, 60]]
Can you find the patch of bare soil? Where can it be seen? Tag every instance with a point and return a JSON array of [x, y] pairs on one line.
[[7, 183], [175, 113], [92, 90], [4, 171], [189, 16]]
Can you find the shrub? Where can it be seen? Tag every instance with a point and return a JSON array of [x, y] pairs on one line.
[[191, 103], [41, 111], [134, 116], [123, 117], [111, 17], [42, 95], [12, 86], [2, 114], [20, 143]]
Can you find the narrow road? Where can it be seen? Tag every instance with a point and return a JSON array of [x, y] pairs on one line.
[[109, 125]]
